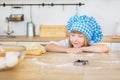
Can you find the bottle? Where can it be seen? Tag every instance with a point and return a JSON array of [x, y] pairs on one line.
[[30, 29]]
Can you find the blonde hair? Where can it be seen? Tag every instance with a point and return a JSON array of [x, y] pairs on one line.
[[87, 43]]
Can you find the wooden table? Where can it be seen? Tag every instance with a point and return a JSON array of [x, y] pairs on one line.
[[59, 66]]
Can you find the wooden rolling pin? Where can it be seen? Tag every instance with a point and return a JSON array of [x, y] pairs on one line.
[[8, 47]]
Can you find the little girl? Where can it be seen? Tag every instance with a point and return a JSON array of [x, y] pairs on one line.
[[84, 36]]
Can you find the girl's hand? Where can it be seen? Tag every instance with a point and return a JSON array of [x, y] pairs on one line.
[[74, 50]]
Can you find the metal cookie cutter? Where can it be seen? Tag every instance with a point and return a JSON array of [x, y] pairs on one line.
[[80, 62]]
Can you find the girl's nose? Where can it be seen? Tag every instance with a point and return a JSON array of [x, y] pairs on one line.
[[75, 39]]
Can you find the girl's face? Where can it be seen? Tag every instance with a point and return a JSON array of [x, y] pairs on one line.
[[77, 40]]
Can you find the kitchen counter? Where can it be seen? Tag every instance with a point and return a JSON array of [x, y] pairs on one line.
[[32, 39], [42, 39], [59, 66], [111, 39]]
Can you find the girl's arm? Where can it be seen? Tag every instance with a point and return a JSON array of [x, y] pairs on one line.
[[99, 48], [57, 48]]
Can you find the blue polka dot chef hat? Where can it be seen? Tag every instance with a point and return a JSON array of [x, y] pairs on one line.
[[87, 26]]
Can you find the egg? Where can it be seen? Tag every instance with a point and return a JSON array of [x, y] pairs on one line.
[[11, 58], [2, 63], [11, 61], [14, 53]]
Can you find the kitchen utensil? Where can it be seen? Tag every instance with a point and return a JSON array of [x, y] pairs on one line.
[[16, 17], [17, 14], [30, 26], [30, 29]]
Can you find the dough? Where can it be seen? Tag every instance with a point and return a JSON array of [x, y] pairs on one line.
[[35, 49]]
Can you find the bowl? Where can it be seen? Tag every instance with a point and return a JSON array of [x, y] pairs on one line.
[[10, 56]]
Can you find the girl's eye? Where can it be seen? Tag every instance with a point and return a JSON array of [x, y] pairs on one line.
[[72, 35], [80, 36]]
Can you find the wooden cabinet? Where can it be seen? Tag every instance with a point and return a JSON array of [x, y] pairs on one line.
[[8, 43], [26, 44], [113, 45]]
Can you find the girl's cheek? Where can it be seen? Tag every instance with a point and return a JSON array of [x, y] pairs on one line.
[[72, 38], [81, 39]]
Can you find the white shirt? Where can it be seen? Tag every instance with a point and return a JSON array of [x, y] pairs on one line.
[[64, 43]]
